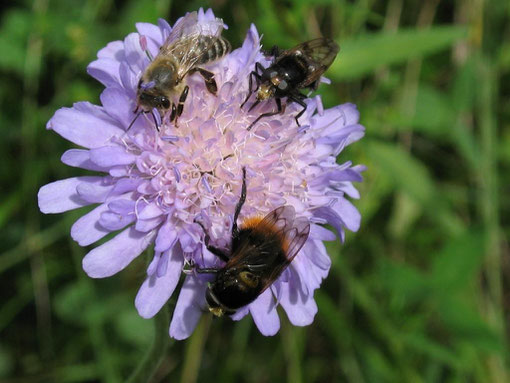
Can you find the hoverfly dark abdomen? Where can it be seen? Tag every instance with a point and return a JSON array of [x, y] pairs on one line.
[[291, 70], [259, 252]]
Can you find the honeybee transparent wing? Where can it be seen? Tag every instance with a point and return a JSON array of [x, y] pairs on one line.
[[319, 53], [282, 231], [190, 40]]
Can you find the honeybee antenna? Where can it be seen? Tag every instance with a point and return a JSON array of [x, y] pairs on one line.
[[155, 120], [134, 119]]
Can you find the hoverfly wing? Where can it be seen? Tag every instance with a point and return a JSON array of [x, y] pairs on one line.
[[284, 234]]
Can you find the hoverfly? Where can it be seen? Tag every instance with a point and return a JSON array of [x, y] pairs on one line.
[[189, 45], [260, 250], [292, 70]]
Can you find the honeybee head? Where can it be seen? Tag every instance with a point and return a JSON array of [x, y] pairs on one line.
[[149, 100], [265, 91]]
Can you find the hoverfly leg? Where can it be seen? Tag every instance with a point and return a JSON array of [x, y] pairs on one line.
[[210, 82], [299, 101], [206, 270], [269, 114], [239, 205], [218, 252]]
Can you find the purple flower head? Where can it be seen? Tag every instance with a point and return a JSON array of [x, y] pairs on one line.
[[152, 185]]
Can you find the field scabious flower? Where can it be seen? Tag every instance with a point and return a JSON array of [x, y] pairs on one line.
[[154, 184]]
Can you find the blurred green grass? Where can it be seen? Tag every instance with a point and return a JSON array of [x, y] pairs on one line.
[[419, 294]]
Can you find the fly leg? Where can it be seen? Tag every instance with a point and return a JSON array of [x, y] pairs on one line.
[[299, 100], [280, 109], [258, 79], [273, 52]]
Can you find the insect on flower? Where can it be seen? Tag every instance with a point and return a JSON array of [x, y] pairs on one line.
[[189, 45], [292, 70], [147, 190], [260, 251]]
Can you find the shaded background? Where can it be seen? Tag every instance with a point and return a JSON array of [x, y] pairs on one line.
[[419, 294]]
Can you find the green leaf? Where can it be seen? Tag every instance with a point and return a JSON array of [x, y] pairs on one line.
[[6, 362], [421, 343], [457, 263], [13, 37], [404, 282], [466, 324], [367, 53], [407, 173], [133, 328], [73, 301], [433, 113]]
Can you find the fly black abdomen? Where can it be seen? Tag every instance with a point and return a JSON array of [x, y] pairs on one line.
[[293, 69]]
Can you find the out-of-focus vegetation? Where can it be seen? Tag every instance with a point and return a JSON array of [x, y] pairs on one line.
[[419, 294]]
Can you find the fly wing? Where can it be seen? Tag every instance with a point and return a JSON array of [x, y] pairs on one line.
[[283, 232], [190, 40], [319, 54]]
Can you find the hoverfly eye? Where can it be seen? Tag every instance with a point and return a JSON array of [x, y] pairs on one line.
[[249, 279], [165, 103]]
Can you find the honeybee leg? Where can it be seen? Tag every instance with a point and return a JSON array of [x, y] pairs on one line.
[[257, 78], [210, 82], [218, 252], [182, 100], [268, 114], [239, 205], [173, 113], [300, 102]]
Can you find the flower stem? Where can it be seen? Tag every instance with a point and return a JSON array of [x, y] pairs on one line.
[[149, 364]]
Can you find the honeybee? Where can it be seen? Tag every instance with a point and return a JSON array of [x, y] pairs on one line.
[[292, 70], [260, 250], [189, 45]]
